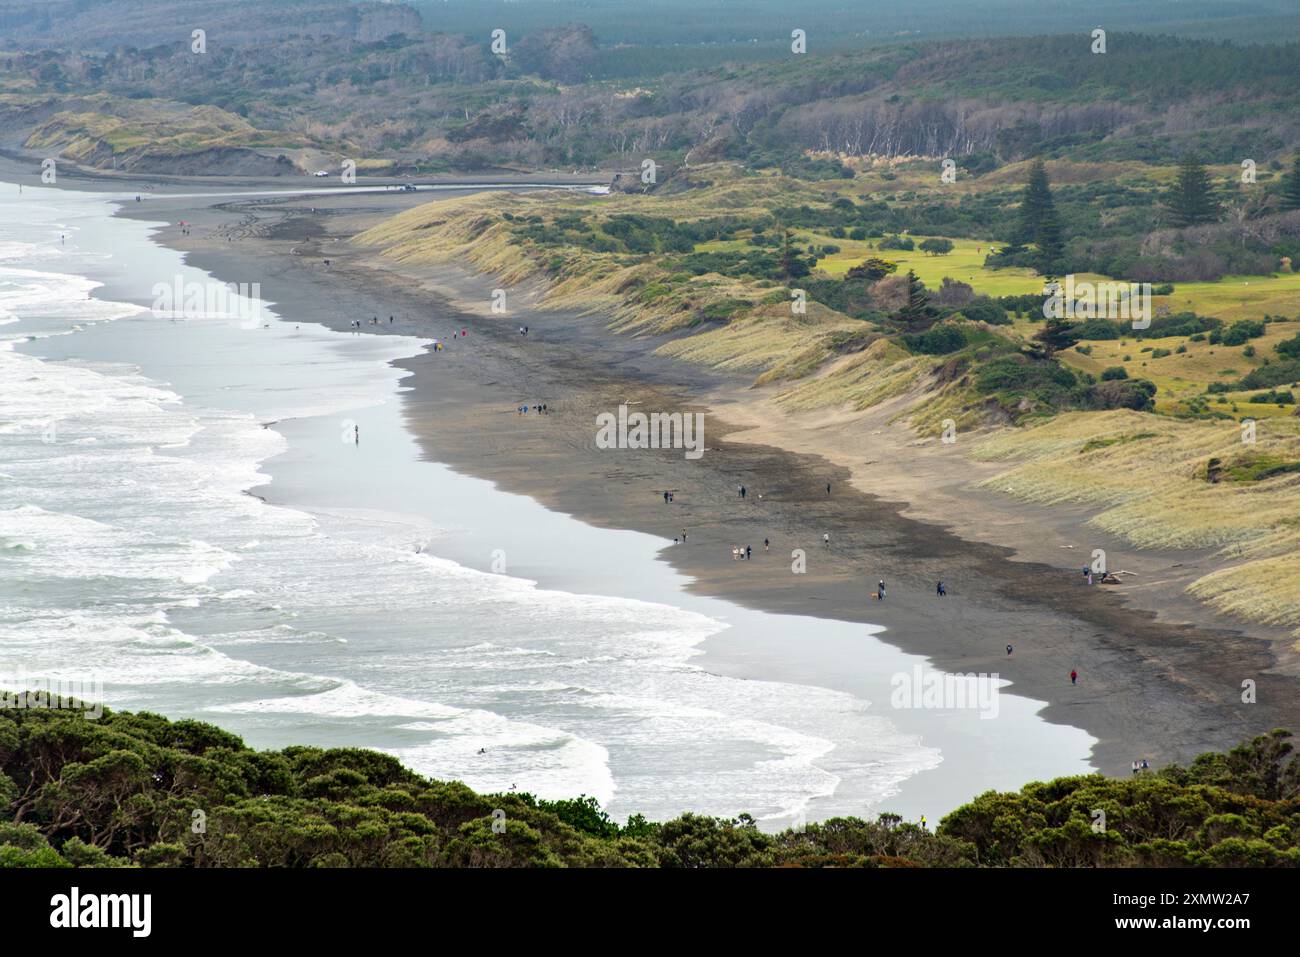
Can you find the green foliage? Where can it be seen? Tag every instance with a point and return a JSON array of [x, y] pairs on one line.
[[1291, 194], [102, 793], [984, 309], [936, 247], [1190, 200], [872, 269], [937, 341], [1289, 348], [1239, 332], [1274, 374], [897, 242], [1039, 222], [917, 312]]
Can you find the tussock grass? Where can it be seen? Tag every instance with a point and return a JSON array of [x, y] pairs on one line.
[[1147, 475]]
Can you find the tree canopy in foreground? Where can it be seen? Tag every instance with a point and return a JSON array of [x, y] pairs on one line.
[[137, 789]]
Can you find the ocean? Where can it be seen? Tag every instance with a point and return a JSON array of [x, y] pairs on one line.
[[227, 520]]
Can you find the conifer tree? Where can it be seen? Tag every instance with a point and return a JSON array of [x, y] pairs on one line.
[[1190, 200], [1039, 223], [1291, 188], [917, 312]]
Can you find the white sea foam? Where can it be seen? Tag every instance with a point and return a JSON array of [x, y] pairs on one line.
[[143, 560]]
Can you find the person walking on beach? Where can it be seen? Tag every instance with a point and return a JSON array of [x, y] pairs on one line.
[[1135, 767], [743, 491], [880, 590], [826, 539], [735, 553], [766, 545], [1008, 651], [1074, 677], [748, 553], [940, 590], [356, 434], [683, 536], [1145, 766], [828, 488]]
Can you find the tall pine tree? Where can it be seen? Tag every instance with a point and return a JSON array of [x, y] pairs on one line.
[[1055, 336], [1291, 188], [1039, 223], [1190, 200], [917, 313]]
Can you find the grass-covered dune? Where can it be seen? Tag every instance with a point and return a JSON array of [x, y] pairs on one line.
[[104, 131], [138, 790], [1144, 426]]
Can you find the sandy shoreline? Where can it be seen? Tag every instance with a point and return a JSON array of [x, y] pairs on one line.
[[1164, 686]]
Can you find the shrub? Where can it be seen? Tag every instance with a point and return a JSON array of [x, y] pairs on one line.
[[1113, 372], [897, 242], [983, 309], [1136, 394], [936, 247], [938, 341], [1239, 332], [1289, 348]]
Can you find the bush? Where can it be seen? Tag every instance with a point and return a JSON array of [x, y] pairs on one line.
[[936, 247], [1277, 373], [1289, 348], [897, 242], [1136, 394], [1101, 329], [983, 309], [1112, 373], [938, 341], [1239, 332]]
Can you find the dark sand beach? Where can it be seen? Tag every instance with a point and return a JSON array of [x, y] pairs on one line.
[[1160, 676]]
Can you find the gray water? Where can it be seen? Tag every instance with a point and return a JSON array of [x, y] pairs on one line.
[[364, 597]]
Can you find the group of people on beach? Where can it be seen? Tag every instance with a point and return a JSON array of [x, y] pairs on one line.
[[439, 345], [539, 409], [1139, 766], [374, 321]]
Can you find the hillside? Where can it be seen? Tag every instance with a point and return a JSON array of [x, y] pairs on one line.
[[448, 102]]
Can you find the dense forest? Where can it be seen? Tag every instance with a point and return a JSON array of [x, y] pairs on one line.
[[136, 789], [367, 82]]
